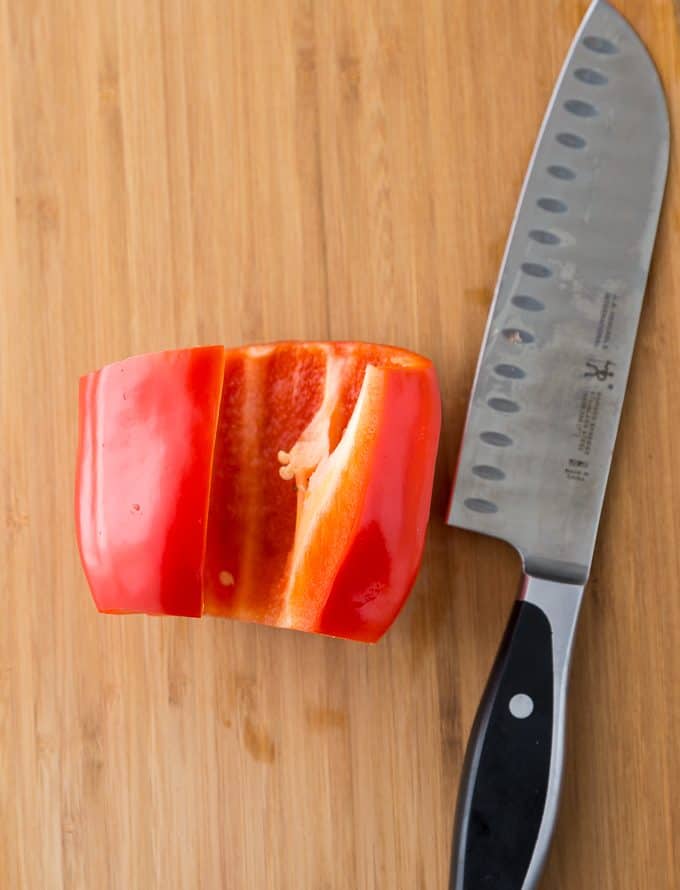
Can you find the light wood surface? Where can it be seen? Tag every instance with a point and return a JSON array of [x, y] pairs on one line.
[[174, 173]]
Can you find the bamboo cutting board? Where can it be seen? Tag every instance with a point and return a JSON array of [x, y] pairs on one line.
[[176, 173]]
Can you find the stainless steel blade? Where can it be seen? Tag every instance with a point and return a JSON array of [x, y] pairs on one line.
[[551, 378]]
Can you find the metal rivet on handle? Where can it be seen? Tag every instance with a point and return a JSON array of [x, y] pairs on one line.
[[521, 706]]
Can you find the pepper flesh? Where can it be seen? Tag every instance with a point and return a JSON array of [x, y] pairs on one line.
[[293, 488]]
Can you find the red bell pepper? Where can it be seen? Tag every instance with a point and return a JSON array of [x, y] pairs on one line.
[[288, 484]]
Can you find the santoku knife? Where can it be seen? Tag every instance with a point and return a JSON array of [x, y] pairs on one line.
[[542, 422]]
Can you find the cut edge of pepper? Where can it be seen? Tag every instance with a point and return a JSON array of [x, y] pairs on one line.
[[211, 468]]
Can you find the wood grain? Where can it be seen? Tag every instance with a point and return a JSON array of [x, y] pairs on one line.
[[174, 173]]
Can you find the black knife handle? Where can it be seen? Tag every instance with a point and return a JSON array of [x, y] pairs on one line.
[[511, 778]]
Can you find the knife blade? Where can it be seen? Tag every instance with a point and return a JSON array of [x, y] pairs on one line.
[[542, 422]]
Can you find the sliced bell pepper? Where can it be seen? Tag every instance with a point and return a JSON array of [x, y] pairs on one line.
[[288, 484]]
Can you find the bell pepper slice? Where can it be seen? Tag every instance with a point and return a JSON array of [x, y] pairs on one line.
[[287, 484]]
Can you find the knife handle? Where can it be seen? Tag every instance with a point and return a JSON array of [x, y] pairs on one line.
[[510, 786]]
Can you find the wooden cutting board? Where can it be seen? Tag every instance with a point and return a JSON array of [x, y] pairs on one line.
[[176, 173]]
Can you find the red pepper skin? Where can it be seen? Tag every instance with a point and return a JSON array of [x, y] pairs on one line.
[[287, 484], [147, 435], [380, 566]]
